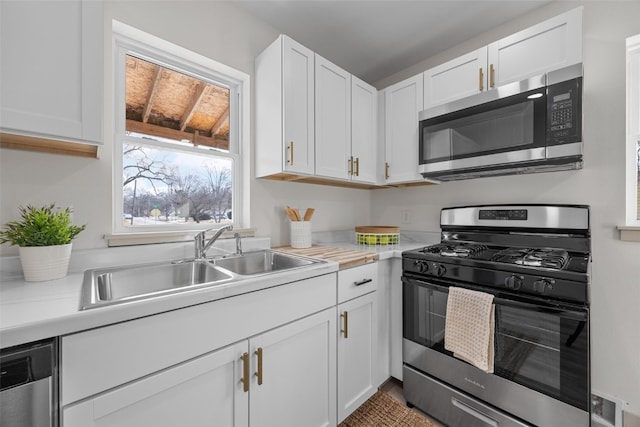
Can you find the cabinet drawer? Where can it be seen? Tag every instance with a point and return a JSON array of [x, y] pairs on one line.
[[357, 281], [103, 358]]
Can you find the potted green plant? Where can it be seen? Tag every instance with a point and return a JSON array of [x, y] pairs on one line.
[[43, 235]]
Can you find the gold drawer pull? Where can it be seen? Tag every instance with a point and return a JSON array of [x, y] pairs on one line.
[[290, 148], [345, 330], [492, 76], [245, 372], [386, 170], [350, 160], [258, 352], [481, 80], [357, 166]]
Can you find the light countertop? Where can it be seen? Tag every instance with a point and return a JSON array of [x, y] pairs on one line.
[[31, 311]]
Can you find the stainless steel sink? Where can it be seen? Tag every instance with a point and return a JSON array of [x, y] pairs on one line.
[[261, 262], [121, 284], [110, 286]]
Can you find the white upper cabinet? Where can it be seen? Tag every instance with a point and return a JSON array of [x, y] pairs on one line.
[[306, 122], [364, 134], [332, 120], [51, 85], [463, 76], [285, 137], [550, 45], [403, 102]]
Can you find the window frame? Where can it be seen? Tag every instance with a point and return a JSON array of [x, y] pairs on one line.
[[130, 41], [632, 129]]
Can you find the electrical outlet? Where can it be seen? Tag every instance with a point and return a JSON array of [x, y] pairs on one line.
[[405, 217]]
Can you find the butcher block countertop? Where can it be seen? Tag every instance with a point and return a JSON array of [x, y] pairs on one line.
[[346, 258]]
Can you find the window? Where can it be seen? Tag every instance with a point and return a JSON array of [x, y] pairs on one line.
[[633, 131], [181, 138]]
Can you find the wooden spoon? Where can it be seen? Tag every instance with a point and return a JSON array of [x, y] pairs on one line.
[[308, 214]]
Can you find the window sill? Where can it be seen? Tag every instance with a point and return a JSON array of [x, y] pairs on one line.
[[629, 233], [131, 239]]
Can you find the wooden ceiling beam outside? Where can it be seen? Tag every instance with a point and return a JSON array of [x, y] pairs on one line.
[[193, 105], [224, 117], [152, 94], [177, 135]]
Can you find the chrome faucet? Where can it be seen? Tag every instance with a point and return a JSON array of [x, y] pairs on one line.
[[201, 246], [238, 244]]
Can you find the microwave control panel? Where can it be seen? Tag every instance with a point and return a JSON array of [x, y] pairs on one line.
[[564, 112]]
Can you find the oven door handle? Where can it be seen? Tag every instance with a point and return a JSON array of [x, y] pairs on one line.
[[566, 312]]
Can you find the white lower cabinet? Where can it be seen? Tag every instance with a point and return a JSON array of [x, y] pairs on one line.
[[357, 337], [264, 358], [357, 353], [203, 391], [297, 372]]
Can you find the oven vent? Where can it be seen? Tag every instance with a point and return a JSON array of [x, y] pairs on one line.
[[606, 411]]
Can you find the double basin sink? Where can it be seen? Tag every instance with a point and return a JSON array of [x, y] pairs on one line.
[[110, 286]]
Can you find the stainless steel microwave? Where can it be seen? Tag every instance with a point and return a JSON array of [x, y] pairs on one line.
[[534, 125]]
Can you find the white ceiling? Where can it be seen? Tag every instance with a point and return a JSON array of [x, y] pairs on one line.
[[374, 39]]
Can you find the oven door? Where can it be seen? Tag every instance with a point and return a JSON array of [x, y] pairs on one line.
[[542, 347]]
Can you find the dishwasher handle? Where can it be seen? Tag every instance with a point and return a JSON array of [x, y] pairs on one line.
[[26, 364]]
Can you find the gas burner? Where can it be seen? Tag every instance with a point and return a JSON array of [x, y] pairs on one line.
[[544, 257], [458, 250]]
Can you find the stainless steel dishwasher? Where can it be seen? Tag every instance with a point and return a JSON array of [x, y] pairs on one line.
[[29, 385]]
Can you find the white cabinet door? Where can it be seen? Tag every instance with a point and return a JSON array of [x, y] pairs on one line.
[[395, 323], [364, 131], [205, 391], [550, 45], [298, 374], [357, 353], [403, 102], [51, 83], [332, 120], [384, 319], [298, 109], [456, 79]]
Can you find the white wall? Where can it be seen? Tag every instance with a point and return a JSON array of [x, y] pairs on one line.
[[615, 287], [215, 29]]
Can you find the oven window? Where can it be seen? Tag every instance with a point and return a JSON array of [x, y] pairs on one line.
[[543, 348]]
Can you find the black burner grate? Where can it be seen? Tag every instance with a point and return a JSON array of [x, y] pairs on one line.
[[543, 257], [459, 250]]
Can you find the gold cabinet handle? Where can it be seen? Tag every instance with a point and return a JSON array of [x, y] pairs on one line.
[[350, 165], [258, 374], [245, 372], [386, 170], [345, 330], [492, 76], [481, 80], [357, 166], [290, 148]]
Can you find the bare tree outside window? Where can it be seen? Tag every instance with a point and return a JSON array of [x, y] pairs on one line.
[[177, 165]]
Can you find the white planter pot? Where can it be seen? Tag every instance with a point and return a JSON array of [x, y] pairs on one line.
[[40, 263]]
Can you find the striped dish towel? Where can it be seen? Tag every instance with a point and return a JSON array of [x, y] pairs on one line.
[[469, 328]]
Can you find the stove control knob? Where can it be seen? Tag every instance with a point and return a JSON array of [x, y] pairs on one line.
[[543, 285], [440, 270], [422, 266], [513, 282]]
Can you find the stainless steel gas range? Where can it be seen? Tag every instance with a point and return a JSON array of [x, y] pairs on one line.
[[535, 260]]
